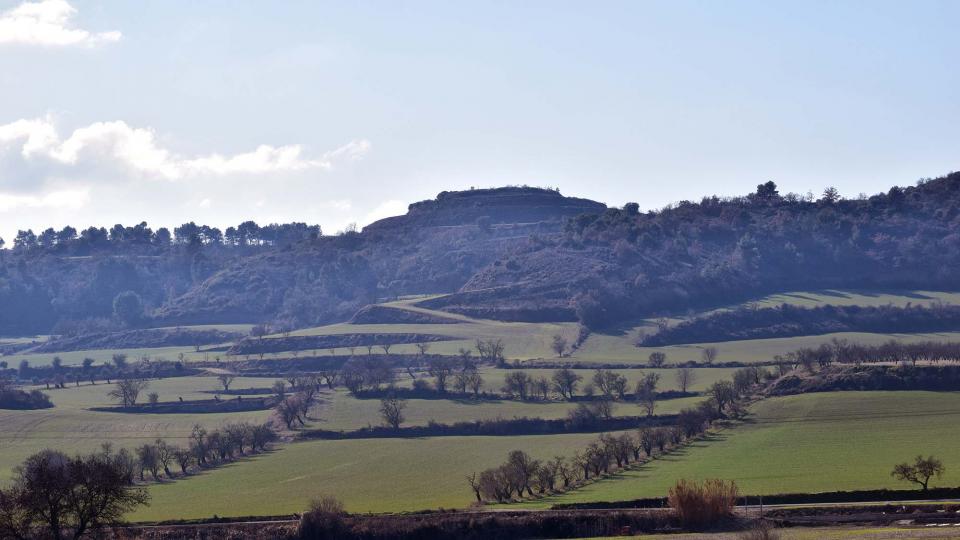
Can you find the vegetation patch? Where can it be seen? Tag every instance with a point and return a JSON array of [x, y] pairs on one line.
[[788, 321], [197, 406], [332, 341], [136, 339], [375, 314]]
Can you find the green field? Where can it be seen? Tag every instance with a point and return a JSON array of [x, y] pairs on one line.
[[531, 341], [340, 411], [373, 475], [806, 443], [71, 426]]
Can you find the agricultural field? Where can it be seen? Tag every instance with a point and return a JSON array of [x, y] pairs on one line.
[[103, 356], [371, 475], [70, 426], [805, 443], [810, 442], [816, 442], [340, 411]]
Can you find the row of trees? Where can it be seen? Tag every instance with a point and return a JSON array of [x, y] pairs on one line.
[[205, 449], [842, 351], [248, 233], [521, 474]]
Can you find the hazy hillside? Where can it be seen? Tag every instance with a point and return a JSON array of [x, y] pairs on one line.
[[509, 253], [291, 277], [622, 263]]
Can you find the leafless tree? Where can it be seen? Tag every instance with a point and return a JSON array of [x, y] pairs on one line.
[[565, 382], [67, 496], [709, 354], [685, 378], [559, 345], [226, 379], [920, 472], [126, 391], [391, 410], [657, 359], [440, 368]]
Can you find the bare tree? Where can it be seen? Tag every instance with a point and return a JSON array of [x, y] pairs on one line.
[[226, 379], [685, 378], [559, 345], [722, 393], [657, 359], [391, 410], [565, 382], [920, 472], [709, 354], [440, 369], [67, 496], [126, 391]]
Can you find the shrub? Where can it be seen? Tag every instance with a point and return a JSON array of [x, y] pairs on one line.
[[325, 519], [699, 505]]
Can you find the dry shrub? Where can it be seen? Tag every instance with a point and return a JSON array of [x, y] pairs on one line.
[[323, 520], [761, 530], [699, 505]]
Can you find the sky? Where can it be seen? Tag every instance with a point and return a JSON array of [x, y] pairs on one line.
[[170, 111]]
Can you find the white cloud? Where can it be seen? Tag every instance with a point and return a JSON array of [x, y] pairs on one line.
[[48, 23], [59, 200], [116, 143]]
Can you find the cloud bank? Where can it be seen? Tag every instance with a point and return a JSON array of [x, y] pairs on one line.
[[47, 23], [118, 145]]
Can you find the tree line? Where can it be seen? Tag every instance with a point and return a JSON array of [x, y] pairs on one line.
[[746, 323], [68, 240], [845, 352], [522, 475]]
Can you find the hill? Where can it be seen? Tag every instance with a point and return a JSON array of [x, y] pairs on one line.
[[514, 253], [289, 275], [620, 264]]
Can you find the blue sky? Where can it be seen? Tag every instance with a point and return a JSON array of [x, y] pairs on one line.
[[339, 112]]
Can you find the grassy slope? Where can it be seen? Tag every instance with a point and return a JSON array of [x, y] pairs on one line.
[[802, 443], [70, 426], [378, 475], [526, 341], [807, 443], [341, 411]]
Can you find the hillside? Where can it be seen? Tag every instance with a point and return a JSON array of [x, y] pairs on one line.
[[621, 263], [516, 254], [287, 275]]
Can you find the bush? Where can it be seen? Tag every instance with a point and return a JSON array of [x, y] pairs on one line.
[[325, 519], [700, 505]]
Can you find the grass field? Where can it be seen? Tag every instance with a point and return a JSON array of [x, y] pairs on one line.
[[339, 410], [70, 426], [373, 475], [528, 341], [806, 443], [803, 443]]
